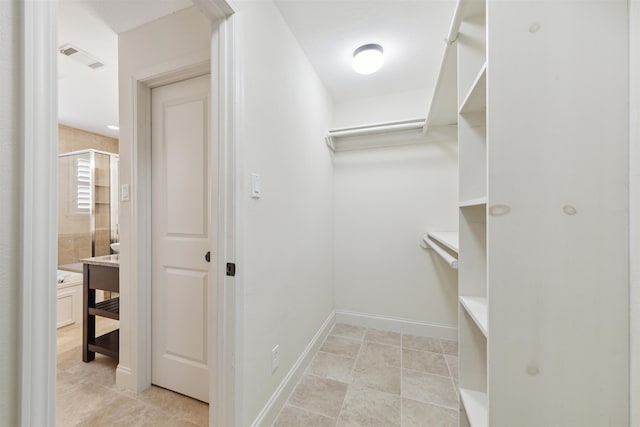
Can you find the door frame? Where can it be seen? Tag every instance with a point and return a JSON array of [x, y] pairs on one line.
[[39, 121]]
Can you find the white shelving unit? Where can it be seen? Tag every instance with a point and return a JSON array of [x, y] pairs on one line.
[[473, 319], [539, 308]]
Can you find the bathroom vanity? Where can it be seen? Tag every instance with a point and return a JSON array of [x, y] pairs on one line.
[[100, 273]]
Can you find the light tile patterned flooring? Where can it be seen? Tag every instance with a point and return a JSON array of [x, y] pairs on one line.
[[365, 377], [359, 377], [86, 393]]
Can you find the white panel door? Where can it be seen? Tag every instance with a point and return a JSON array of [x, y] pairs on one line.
[[180, 237]]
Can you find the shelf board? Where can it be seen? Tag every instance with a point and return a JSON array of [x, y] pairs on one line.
[[449, 239], [477, 309], [476, 405], [107, 344], [443, 109], [476, 99], [108, 308], [473, 202]]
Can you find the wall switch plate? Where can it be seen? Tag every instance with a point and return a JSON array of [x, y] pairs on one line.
[[255, 185], [275, 358], [124, 192]]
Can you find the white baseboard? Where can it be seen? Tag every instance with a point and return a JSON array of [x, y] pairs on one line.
[[267, 416], [124, 378], [405, 326]]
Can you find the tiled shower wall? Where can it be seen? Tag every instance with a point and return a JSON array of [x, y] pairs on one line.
[[72, 246]]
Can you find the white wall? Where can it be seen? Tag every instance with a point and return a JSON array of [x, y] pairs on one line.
[[385, 108], [384, 199], [284, 239], [10, 212], [634, 183], [180, 38]]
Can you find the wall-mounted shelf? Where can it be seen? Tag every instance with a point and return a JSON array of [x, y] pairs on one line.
[[407, 132], [443, 109], [473, 202], [476, 99], [476, 406], [477, 309], [446, 238], [443, 239]]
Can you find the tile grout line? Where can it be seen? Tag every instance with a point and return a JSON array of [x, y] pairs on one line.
[[352, 378], [306, 372], [455, 388]]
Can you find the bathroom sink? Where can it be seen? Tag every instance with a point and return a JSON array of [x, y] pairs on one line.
[[116, 247]]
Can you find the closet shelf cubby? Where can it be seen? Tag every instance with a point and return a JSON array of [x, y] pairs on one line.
[[476, 406], [473, 202], [477, 309], [476, 98]]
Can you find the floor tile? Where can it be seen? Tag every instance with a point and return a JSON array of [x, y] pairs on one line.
[[332, 366], [383, 337], [296, 417], [319, 395], [348, 331], [341, 346], [86, 393], [371, 408], [424, 361], [79, 403], [379, 354], [128, 412], [449, 347], [429, 388], [419, 414], [180, 406], [378, 377], [421, 343]]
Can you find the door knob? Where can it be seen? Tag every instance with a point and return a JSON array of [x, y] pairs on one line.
[[207, 257]]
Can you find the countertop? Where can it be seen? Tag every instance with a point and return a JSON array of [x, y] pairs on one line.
[[106, 260]]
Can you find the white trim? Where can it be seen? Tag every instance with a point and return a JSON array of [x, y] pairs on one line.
[[274, 405], [37, 349], [222, 390], [137, 311], [39, 142], [216, 61], [394, 324]]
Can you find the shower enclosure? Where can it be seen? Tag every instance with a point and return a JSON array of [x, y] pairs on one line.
[[87, 206]]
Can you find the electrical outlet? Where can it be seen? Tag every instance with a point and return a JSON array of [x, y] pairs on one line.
[[275, 358]]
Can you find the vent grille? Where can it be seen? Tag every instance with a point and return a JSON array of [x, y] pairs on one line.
[[81, 56], [68, 51]]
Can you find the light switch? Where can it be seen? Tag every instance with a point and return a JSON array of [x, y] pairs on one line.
[[255, 185], [124, 192]]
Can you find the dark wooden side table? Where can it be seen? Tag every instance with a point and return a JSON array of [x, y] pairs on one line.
[[100, 274]]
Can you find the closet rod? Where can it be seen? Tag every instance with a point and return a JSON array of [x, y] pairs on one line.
[[452, 261], [377, 128]]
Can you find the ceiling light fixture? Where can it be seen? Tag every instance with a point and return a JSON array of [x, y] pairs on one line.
[[368, 59], [113, 127]]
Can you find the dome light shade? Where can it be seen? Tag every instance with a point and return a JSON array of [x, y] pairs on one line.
[[368, 59]]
